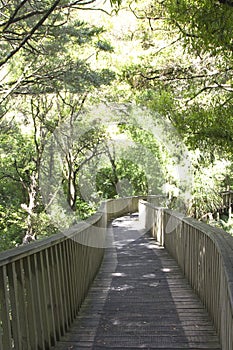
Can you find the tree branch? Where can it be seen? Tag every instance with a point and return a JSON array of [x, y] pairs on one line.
[[30, 34], [14, 14], [205, 88], [19, 175], [14, 19]]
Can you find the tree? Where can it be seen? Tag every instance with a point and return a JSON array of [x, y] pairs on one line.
[[192, 66], [28, 21], [52, 66], [15, 180], [182, 69], [43, 81]]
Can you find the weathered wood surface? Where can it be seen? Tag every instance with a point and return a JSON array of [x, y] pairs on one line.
[[205, 256], [140, 300]]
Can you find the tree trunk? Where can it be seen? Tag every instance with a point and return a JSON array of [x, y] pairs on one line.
[[30, 209], [71, 182]]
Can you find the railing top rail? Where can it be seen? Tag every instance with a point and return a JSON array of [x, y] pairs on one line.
[[36, 246], [221, 239]]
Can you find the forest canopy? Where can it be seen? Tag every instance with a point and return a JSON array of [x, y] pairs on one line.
[[59, 60]]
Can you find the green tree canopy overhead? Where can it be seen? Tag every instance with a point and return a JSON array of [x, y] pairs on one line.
[[46, 74], [205, 26], [24, 23], [49, 58], [175, 58], [185, 70]]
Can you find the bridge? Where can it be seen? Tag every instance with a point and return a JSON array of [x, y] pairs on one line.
[[134, 275]]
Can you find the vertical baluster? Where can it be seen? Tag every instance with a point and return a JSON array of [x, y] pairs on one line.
[[205, 272], [187, 260], [198, 261], [195, 263], [14, 301], [74, 277], [199, 264], [5, 332], [192, 257], [212, 272], [72, 270], [206, 292], [218, 293], [64, 284], [191, 246], [43, 290], [70, 275], [85, 272], [209, 273], [55, 293], [79, 272], [185, 230], [66, 281], [79, 253], [59, 290], [82, 271], [51, 303], [186, 267], [23, 305], [37, 290], [31, 302], [76, 286]]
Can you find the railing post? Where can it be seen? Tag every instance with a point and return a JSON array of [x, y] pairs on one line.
[[160, 226], [204, 254]]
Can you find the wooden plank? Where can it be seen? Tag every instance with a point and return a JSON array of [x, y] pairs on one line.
[[6, 341], [60, 289], [71, 260], [14, 306], [142, 302], [50, 300], [88, 345], [31, 302], [38, 299], [64, 290], [76, 277], [23, 305], [55, 293], [43, 290]]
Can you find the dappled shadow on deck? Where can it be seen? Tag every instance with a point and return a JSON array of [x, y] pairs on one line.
[[140, 300]]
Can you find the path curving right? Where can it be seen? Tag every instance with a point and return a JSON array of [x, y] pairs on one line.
[[140, 300]]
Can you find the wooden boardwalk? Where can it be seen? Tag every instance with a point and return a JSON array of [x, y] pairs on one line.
[[140, 300]]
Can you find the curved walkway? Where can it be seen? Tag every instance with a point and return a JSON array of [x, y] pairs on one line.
[[139, 300]]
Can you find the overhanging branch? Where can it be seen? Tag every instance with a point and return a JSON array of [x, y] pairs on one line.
[[30, 34]]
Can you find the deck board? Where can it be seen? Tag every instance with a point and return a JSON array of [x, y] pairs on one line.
[[140, 300]]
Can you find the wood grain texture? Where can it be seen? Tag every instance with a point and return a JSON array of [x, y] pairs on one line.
[[140, 300]]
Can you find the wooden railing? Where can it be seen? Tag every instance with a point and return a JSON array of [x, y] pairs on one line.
[[43, 284], [205, 255]]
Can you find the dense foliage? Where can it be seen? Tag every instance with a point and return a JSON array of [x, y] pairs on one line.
[[59, 57]]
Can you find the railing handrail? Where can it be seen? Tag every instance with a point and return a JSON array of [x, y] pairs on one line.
[[181, 236], [43, 284], [222, 240], [21, 251]]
